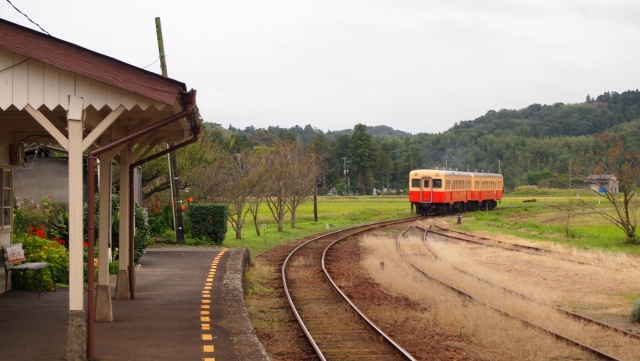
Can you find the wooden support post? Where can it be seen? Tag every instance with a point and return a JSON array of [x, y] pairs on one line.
[[76, 331], [122, 286], [104, 310]]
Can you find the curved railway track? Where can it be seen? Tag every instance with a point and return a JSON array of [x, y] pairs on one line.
[[333, 325], [591, 349], [504, 245]]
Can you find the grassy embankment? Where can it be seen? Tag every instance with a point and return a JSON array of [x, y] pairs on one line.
[[336, 212]]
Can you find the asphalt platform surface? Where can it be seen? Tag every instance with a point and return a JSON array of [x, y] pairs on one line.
[[162, 323]]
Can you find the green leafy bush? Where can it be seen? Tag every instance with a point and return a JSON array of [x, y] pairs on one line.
[[143, 230], [37, 249], [209, 221], [26, 214], [169, 235], [113, 267], [635, 312], [142, 239], [161, 219]]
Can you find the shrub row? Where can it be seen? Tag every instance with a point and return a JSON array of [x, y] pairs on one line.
[[209, 221]]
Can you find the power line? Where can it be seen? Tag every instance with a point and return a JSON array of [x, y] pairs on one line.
[[9, 67], [152, 63], [25, 15]]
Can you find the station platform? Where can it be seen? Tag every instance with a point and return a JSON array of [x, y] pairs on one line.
[[178, 314]]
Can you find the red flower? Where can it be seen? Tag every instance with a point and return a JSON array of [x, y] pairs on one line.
[[189, 200], [84, 243], [49, 195], [37, 232]]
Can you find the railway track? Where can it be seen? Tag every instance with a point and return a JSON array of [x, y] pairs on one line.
[[461, 236], [333, 325], [621, 336]]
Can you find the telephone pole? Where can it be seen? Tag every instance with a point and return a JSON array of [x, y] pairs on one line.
[[345, 175], [174, 179]]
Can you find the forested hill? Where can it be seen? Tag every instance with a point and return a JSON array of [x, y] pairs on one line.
[[530, 146], [377, 131], [591, 117]]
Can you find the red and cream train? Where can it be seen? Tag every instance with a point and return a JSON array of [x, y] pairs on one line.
[[438, 191]]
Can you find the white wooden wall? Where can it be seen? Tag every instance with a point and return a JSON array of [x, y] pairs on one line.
[[28, 81]]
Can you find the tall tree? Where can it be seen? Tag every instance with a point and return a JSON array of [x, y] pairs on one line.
[[278, 177], [303, 180], [363, 154]]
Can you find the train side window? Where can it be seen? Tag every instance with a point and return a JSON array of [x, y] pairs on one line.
[[415, 183], [426, 183], [437, 183], [448, 185]]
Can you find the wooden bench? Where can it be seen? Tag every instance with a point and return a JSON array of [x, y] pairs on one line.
[[14, 254]]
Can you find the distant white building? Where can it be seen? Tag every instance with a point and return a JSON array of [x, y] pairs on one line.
[[602, 183]]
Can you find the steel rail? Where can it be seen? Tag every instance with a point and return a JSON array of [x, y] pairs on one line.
[[355, 308], [523, 249], [523, 296], [310, 338], [503, 312]]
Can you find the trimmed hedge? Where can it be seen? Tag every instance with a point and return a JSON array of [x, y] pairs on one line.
[[209, 221]]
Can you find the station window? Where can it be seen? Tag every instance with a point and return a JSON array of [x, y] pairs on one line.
[[415, 183], [7, 199], [426, 183]]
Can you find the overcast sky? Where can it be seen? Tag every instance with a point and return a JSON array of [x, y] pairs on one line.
[[417, 66]]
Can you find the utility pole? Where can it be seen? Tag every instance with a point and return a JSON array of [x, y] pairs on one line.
[[315, 189], [174, 179], [500, 167], [345, 175]]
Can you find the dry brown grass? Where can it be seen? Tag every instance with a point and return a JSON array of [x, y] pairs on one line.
[[485, 328], [599, 285]]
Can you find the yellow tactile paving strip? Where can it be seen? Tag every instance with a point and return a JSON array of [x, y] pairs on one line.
[[205, 317]]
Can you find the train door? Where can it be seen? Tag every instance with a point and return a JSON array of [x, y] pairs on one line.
[[426, 183]]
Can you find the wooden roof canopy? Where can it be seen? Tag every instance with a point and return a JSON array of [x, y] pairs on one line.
[[38, 72]]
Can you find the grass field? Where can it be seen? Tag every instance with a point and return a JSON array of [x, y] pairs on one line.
[[333, 213], [540, 220]]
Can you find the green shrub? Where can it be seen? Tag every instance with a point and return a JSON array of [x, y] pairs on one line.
[[26, 214], [142, 239], [143, 230], [209, 221], [635, 312], [169, 235], [161, 220], [113, 267], [37, 249]]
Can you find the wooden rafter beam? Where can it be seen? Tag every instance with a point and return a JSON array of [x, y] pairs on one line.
[[48, 126], [144, 144], [102, 126]]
